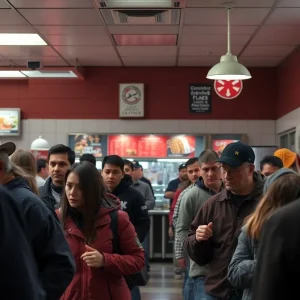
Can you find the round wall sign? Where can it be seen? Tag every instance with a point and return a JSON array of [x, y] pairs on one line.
[[131, 95], [228, 89]]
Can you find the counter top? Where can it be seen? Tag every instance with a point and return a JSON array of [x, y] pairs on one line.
[[159, 212]]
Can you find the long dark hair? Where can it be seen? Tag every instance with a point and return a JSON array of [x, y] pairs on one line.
[[283, 191], [93, 193]]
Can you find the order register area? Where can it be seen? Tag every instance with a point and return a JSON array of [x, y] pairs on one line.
[[160, 157]]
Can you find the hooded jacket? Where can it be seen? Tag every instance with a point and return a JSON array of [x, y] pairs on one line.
[[133, 203], [50, 249], [108, 283]]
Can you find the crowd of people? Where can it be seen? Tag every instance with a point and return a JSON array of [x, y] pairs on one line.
[[71, 232]]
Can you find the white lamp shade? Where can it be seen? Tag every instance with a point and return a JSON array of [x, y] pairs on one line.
[[40, 144], [228, 69]]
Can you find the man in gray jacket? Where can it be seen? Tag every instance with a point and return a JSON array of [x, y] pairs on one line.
[[209, 184]]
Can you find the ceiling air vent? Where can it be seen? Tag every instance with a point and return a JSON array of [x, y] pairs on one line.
[[141, 16], [141, 3]]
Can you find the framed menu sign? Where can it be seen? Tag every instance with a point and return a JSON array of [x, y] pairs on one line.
[[88, 143], [10, 121], [200, 98]]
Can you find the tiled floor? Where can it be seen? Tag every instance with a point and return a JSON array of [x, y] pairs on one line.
[[162, 285]]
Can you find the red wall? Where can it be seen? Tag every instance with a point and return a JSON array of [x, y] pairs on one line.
[[166, 95], [288, 85]]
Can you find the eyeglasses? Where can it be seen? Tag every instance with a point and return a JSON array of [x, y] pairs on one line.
[[229, 170]]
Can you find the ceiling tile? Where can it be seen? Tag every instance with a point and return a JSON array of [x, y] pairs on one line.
[[5, 63], [28, 51], [147, 51], [289, 3], [166, 29], [78, 39], [62, 16], [198, 61], [86, 52], [168, 61], [46, 61], [208, 50], [145, 40], [218, 16], [284, 16], [10, 17], [82, 30], [218, 29], [263, 61], [265, 51], [100, 61], [199, 39], [218, 3], [277, 36], [4, 4], [51, 3], [17, 29]]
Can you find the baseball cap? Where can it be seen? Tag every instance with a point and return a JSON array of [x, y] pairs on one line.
[[182, 166], [235, 154], [8, 148]]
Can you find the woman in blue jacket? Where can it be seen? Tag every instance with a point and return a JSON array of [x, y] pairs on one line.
[[280, 188]]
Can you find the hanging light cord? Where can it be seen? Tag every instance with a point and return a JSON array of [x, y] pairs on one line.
[[228, 31]]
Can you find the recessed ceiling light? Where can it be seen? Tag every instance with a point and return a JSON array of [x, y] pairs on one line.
[[11, 74], [49, 74], [21, 39], [137, 3]]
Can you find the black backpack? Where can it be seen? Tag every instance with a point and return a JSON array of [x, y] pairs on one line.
[[139, 279]]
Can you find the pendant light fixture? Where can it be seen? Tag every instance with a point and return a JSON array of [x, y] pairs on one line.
[[228, 68]]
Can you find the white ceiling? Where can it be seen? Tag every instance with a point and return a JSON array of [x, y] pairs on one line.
[[264, 33]]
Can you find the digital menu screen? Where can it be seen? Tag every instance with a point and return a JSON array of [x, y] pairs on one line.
[[10, 121], [157, 146]]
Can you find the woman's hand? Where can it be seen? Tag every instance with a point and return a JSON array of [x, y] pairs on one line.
[[93, 258]]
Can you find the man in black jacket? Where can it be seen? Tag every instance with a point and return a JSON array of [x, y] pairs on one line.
[[60, 158], [20, 279], [50, 248], [120, 185]]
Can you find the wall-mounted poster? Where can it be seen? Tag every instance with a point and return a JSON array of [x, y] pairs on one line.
[[88, 143], [200, 98], [131, 100], [10, 121]]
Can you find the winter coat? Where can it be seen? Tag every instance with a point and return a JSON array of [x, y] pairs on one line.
[[242, 265], [107, 283], [46, 238], [133, 203]]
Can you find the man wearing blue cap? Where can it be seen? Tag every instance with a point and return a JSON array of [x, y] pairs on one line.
[[214, 232]]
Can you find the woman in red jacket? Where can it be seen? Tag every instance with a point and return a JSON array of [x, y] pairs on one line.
[[85, 217]]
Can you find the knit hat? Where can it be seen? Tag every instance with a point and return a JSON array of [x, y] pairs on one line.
[[272, 178], [287, 156]]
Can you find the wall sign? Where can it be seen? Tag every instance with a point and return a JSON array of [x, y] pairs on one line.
[[131, 100], [200, 98], [228, 89], [10, 121], [219, 145]]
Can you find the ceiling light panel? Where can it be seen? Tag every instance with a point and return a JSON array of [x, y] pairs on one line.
[[49, 74], [11, 74], [21, 39]]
